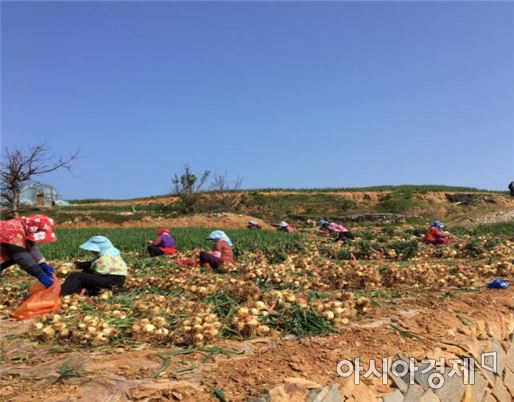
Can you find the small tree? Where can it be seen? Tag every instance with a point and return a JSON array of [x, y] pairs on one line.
[[18, 167], [230, 196], [188, 186]]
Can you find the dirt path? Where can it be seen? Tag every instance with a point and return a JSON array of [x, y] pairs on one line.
[[32, 372]]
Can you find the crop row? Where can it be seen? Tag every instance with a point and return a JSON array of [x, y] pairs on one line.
[[134, 240]]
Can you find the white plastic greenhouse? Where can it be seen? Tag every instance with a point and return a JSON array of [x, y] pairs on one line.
[[40, 195]]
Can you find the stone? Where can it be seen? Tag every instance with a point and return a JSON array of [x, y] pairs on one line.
[[489, 398], [404, 381], [500, 356], [510, 325], [509, 357], [362, 393], [429, 396], [395, 396], [500, 391], [413, 393], [478, 389], [422, 378], [264, 398], [508, 381], [326, 394], [302, 382], [287, 393], [464, 198], [488, 361], [400, 383], [472, 347], [452, 389]]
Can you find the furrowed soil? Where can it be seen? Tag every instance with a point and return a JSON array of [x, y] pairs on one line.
[[30, 372]]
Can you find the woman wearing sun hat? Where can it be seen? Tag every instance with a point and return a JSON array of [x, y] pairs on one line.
[[334, 228], [285, 227], [18, 238], [106, 270], [221, 254], [164, 243], [435, 235], [253, 225]]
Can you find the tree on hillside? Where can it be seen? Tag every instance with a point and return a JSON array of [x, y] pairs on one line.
[[187, 186], [229, 193], [19, 166]]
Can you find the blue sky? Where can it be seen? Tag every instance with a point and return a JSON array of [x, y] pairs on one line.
[[282, 94]]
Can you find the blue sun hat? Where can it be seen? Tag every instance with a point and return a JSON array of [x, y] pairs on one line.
[[102, 245], [323, 222], [438, 224], [220, 235]]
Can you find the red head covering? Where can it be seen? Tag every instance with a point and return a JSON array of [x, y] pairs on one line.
[[161, 231], [39, 228]]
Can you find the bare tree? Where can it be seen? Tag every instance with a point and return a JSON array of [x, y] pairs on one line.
[[229, 193], [188, 186], [18, 167]]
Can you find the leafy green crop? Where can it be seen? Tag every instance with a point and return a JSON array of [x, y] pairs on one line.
[[274, 244]]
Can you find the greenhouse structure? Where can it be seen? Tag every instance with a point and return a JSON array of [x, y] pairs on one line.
[[40, 195]]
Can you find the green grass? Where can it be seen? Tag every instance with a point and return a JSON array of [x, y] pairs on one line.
[[398, 201], [405, 187], [154, 208], [272, 243], [65, 371], [300, 322], [500, 228]]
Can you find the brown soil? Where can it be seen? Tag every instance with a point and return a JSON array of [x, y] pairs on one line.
[[221, 220], [29, 371]]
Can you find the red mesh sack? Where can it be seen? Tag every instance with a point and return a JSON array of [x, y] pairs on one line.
[[40, 301]]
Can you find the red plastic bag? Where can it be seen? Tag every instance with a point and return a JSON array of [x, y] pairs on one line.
[[40, 301]]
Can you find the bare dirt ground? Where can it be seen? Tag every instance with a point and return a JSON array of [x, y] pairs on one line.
[[502, 210], [218, 220], [358, 196], [30, 372]]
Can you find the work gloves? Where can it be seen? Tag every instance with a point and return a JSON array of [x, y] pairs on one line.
[[47, 269], [45, 279]]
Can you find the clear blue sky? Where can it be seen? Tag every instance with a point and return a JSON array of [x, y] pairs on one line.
[[283, 94]]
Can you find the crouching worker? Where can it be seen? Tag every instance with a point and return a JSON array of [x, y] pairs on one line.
[[253, 225], [285, 227], [18, 238], [333, 228], [221, 253], [164, 243], [106, 270], [435, 235]]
